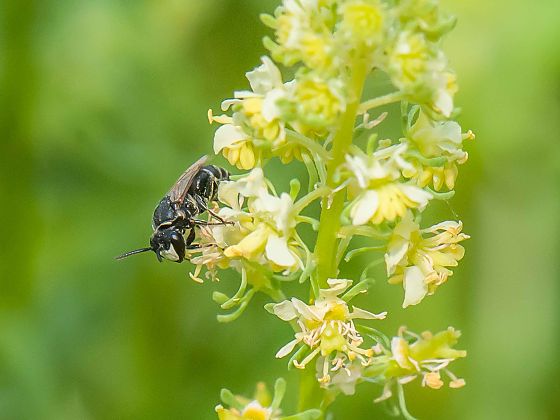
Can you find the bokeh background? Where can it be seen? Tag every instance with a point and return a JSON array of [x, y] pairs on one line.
[[102, 105]]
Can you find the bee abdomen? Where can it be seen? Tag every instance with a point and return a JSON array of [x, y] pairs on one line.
[[219, 173], [206, 181]]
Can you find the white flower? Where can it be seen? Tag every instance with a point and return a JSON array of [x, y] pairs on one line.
[[234, 193], [256, 116], [327, 328], [263, 229], [379, 196], [420, 262], [433, 139], [278, 211], [387, 202], [267, 86]]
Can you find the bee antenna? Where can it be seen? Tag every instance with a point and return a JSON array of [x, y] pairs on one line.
[[136, 251]]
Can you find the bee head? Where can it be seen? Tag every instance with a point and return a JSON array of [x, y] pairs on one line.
[[169, 244]]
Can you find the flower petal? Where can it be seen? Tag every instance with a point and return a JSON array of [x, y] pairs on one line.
[[444, 103], [416, 194], [270, 109], [226, 136], [401, 352], [414, 286], [287, 349], [364, 208], [358, 313], [278, 252], [250, 246], [395, 254], [265, 77], [337, 286], [304, 310], [285, 310]]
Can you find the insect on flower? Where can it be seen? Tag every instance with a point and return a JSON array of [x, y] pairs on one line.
[[175, 214]]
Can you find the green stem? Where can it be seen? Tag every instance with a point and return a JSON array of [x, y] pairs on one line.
[[380, 101], [309, 144], [310, 394], [333, 206]]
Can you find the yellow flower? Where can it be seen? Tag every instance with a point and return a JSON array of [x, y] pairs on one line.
[[293, 19], [426, 356], [457, 383], [316, 50], [318, 103], [431, 139], [420, 71], [420, 262], [261, 229], [409, 60], [387, 203], [303, 33], [327, 328], [434, 139], [236, 146], [363, 20], [262, 127], [264, 224], [255, 122], [379, 196]]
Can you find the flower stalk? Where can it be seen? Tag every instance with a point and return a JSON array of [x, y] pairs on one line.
[[377, 192], [332, 207]]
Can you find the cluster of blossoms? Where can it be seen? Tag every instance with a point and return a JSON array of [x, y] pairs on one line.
[[367, 186], [262, 229]]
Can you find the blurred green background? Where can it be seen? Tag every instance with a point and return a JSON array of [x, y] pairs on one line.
[[103, 104]]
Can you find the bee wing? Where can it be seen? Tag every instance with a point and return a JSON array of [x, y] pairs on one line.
[[179, 190]]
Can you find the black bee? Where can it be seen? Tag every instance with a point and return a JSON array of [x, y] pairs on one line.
[[175, 214]]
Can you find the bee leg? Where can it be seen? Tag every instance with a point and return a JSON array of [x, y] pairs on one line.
[[205, 223], [190, 239], [205, 207], [215, 216], [198, 246]]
